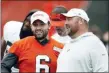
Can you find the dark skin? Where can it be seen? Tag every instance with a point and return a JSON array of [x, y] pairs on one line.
[[26, 24], [61, 30], [26, 30]]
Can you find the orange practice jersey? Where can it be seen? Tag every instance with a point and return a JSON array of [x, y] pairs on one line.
[[34, 57]]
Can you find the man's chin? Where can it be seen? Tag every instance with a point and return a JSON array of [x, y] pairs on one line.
[[39, 38]]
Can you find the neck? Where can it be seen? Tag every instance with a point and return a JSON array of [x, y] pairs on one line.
[[79, 32], [44, 39]]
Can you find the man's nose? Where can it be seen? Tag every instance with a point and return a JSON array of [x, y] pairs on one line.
[[66, 22], [38, 27]]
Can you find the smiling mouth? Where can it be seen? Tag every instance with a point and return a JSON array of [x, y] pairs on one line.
[[38, 33]]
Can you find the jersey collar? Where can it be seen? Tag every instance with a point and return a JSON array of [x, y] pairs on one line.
[[82, 36]]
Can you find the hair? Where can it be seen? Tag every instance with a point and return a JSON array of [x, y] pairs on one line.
[[59, 10], [48, 22]]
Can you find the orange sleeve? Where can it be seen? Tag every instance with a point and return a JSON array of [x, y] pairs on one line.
[[57, 47], [58, 44], [20, 45], [15, 49]]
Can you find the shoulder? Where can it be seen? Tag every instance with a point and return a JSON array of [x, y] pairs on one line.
[[95, 43], [90, 38], [55, 35], [56, 43], [94, 40], [13, 24], [19, 46], [26, 40]]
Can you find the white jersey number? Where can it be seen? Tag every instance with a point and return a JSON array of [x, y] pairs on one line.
[[40, 66]]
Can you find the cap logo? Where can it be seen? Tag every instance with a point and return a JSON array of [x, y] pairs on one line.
[[79, 14], [38, 15]]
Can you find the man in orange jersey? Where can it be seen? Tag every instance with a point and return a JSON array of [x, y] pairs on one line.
[[14, 31], [36, 53]]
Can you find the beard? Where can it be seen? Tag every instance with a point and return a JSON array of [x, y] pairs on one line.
[[68, 30], [25, 33], [71, 30], [42, 36], [71, 33]]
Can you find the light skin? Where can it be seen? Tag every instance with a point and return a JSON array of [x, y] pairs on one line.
[[40, 30], [75, 26], [61, 30]]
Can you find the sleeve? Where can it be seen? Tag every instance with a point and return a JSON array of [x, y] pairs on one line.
[[8, 61], [99, 58], [57, 50], [15, 49], [57, 47]]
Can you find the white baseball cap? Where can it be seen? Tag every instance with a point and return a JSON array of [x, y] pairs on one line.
[[77, 12], [40, 15]]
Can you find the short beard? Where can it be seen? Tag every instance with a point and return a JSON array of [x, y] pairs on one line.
[[70, 33], [41, 38]]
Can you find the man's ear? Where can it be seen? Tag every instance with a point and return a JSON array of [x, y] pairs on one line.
[[49, 24], [81, 21]]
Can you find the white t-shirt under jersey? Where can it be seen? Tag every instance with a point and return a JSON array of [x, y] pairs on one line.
[[86, 53]]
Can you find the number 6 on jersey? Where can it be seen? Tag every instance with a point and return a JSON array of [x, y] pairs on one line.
[[39, 66]]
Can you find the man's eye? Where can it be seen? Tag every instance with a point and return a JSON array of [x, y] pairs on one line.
[[42, 24], [34, 24]]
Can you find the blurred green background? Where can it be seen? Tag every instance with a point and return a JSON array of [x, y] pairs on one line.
[[98, 14]]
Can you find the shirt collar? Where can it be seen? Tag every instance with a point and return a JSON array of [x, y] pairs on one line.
[[82, 36]]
